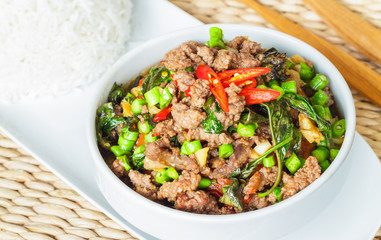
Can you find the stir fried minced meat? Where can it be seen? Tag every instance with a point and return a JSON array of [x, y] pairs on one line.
[[197, 133]]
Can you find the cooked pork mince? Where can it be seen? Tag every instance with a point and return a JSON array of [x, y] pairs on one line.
[[221, 128]]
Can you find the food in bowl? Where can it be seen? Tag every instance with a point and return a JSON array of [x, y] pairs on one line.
[[221, 127]]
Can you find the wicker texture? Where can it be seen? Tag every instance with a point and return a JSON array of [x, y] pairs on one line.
[[35, 204]]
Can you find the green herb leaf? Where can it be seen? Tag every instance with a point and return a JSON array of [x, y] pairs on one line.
[[302, 105], [297, 141], [116, 94], [105, 122], [280, 124], [211, 124], [282, 128], [155, 77], [233, 194], [277, 62], [248, 116], [137, 161]]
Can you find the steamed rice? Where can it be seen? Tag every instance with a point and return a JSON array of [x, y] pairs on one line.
[[49, 47]]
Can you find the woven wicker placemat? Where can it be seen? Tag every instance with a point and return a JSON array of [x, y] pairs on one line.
[[35, 204]]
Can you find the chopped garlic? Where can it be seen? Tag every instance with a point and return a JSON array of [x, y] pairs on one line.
[[262, 147], [135, 91], [201, 156], [254, 155], [155, 165], [154, 110], [297, 59], [126, 106], [309, 130]]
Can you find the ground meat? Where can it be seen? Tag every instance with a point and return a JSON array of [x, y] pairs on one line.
[[214, 140], [308, 173], [118, 110], [199, 202], [205, 171], [182, 162], [184, 79], [245, 60], [236, 43], [114, 136], [172, 86], [237, 159], [176, 59], [267, 176], [256, 203], [309, 63], [244, 45], [142, 183], [301, 179], [248, 142], [206, 54], [187, 181], [118, 169], [263, 131], [236, 106], [223, 60], [250, 47], [199, 93], [120, 127], [251, 186], [214, 152], [328, 91], [191, 50], [185, 117], [186, 55], [144, 109], [182, 136], [295, 117], [162, 152], [216, 163], [167, 127]]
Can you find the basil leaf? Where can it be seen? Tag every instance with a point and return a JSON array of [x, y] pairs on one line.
[[249, 116], [105, 122], [211, 124], [280, 123], [302, 105], [137, 161], [276, 61], [155, 77], [233, 194], [116, 94]]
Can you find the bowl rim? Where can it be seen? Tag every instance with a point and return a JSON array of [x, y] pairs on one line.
[[335, 165]]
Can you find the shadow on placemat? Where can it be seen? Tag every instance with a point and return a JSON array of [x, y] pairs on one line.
[[35, 204]]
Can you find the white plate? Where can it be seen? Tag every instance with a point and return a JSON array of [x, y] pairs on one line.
[[54, 133]]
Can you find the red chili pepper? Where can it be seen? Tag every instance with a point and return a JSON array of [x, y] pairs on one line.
[[187, 92], [247, 200], [156, 134], [162, 114], [141, 140], [257, 95], [305, 148], [244, 74], [205, 72], [216, 187], [231, 73], [141, 82]]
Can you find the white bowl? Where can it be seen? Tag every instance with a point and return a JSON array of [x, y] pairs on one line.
[[267, 223]]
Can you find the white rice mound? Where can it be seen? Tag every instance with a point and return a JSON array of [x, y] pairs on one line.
[[50, 47]]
